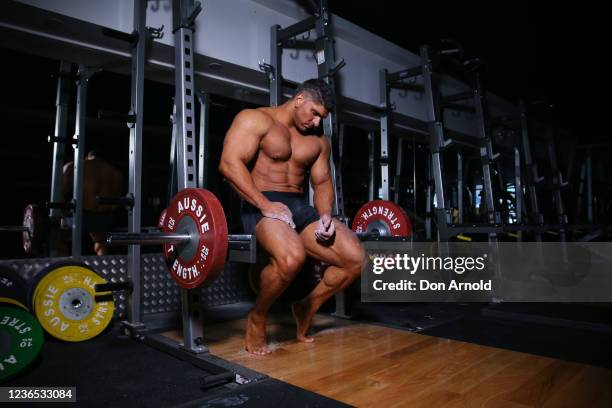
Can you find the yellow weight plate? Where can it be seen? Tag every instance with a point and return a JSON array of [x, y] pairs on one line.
[[64, 303]]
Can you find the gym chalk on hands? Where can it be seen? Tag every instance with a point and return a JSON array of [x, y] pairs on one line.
[[326, 229], [280, 212]]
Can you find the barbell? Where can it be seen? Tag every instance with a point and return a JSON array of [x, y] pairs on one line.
[[195, 238], [194, 233]]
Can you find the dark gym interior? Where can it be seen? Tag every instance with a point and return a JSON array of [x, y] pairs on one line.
[[486, 137]]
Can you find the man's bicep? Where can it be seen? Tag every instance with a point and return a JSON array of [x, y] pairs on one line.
[[319, 172]]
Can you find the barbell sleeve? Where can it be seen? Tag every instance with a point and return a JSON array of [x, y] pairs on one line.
[[236, 241], [239, 237], [146, 238], [366, 235]]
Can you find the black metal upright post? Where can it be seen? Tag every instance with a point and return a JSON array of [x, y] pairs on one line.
[[172, 185], [79, 160], [486, 154], [460, 187], [414, 182], [184, 15], [398, 170], [518, 191], [436, 141], [64, 85], [135, 315], [428, 200], [384, 134], [557, 182], [275, 77], [371, 163], [532, 177]]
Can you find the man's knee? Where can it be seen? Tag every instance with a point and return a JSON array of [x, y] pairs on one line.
[[354, 260], [100, 249], [290, 261]]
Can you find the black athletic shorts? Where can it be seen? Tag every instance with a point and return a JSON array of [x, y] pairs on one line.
[[303, 214]]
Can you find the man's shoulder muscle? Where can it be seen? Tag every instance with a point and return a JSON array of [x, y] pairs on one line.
[[256, 120]]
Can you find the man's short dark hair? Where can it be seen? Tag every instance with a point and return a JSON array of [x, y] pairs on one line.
[[320, 92]]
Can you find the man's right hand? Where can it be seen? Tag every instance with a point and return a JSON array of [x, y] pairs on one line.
[[279, 211]]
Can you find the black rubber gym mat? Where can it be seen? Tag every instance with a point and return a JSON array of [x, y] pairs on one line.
[[114, 371], [265, 394], [411, 316], [593, 316], [582, 346]]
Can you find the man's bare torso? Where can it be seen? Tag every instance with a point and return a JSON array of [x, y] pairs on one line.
[[284, 154]]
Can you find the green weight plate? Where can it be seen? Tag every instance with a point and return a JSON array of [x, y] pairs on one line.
[[21, 339]]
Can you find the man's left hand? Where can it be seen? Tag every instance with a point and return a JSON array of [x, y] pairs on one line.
[[326, 229]]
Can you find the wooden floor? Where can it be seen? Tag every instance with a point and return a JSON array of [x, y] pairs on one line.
[[373, 366]]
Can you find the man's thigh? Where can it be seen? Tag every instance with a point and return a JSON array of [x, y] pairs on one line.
[[277, 237], [345, 244]]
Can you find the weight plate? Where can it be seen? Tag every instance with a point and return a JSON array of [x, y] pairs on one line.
[[383, 216], [13, 288], [199, 213], [162, 218], [21, 339], [63, 300], [32, 238]]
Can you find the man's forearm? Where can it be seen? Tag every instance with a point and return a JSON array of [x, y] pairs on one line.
[[324, 197], [240, 179]]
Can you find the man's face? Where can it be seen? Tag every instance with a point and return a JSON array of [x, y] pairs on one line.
[[307, 113]]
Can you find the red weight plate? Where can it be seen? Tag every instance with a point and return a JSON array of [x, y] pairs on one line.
[[206, 213], [390, 214], [162, 218], [32, 237]]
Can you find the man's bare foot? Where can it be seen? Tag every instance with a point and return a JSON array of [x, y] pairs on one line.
[[300, 313], [255, 338]]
